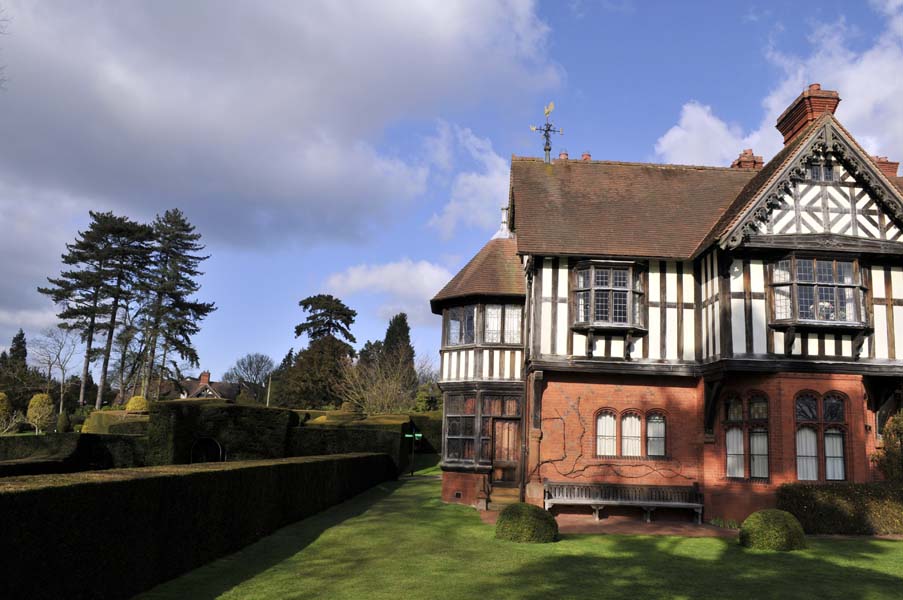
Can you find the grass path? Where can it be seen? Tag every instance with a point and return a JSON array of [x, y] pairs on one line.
[[399, 540]]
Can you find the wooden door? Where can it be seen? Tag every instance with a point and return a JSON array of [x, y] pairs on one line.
[[506, 450]]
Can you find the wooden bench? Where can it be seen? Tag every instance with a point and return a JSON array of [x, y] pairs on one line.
[[648, 497]]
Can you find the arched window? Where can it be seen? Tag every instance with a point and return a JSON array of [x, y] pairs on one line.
[[834, 468], [806, 408], [833, 408], [655, 435], [806, 454], [734, 409], [758, 453], [735, 454], [630, 435], [606, 436], [758, 408]]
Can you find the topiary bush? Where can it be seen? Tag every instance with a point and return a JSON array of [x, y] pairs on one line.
[[137, 404], [523, 522], [772, 529], [62, 423], [40, 412]]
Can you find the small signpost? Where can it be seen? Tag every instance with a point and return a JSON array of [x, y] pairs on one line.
[[414, 436]]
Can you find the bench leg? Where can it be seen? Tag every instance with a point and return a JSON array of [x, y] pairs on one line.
[[698, 516], [649, 510]]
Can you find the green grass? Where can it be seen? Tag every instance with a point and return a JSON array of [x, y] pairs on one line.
[[427, 464], [399, 540]]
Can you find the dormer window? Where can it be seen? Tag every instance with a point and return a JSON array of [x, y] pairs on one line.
[[819, 291], [608, 295]]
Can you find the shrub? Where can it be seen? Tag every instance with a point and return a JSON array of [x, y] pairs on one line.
[[845, 508], [137, 404], [62, 423], [890, 458], [772, 529], [40, 412], [523, 522]]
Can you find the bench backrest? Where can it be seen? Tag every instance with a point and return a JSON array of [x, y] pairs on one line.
[[622, 493]]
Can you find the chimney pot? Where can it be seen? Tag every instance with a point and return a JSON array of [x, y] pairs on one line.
[[586, 155], [886, 166], [563, 155], [808, 106]]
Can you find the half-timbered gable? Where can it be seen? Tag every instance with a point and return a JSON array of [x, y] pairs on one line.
[[700, 330]]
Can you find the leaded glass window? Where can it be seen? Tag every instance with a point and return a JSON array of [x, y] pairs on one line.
[[608, 295], [818, 290]]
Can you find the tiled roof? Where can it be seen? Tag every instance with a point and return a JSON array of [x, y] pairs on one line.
[[898, 181], [603, 208], [495, 271]]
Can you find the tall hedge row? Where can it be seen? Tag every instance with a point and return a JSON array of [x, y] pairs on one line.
[[845, 508], [128, 530]]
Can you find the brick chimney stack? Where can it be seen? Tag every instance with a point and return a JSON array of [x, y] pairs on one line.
[[748, 160], [586, 155], [204, 378], [888, 167], [808, 106]]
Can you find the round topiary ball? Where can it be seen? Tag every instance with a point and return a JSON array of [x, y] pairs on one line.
[[523, 522], [772, 529], [137, 404]]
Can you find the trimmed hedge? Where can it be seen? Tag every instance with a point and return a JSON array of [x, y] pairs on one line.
[[313, 441], [430, 425], [68, 453], [107, 421], [129, 530], [845, 508], [772, 529], [522, 522]]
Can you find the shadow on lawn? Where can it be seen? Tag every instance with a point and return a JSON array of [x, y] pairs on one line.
[[647, 567], [216, 578]]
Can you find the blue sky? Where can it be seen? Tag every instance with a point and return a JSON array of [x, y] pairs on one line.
[[362, 148]]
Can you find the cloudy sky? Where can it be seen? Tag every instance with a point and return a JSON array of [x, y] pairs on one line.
[[362, 148]]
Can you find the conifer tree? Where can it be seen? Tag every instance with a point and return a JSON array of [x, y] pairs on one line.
[[173, 316], [79, 290], [397, 346], [18, 351]]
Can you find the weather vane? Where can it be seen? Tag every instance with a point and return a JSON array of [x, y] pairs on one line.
[[547, 130]]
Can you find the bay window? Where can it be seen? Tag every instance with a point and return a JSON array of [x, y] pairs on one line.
[[502, 324], [460, 325], [819, 291], [608, 295]]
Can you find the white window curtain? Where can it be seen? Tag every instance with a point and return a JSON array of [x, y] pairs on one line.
[[735, 455], [758, 453], [806, 454], [606, 437], [834, 470], [655, 436], [493, 329], [512, 324], [630, 435]]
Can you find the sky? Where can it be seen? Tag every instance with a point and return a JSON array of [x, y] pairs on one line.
[[362, 148]]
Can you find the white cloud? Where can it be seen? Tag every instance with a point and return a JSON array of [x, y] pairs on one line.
[[476, 196], [867, 80], [27, 319], [403, 286]]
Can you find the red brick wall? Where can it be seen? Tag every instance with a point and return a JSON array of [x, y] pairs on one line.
[[570, 403], [463, 488]]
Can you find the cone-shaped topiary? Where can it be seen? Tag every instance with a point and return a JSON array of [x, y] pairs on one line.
[[137, 404], [523, 522], [62, 423], [772, 529], [40, 412], [6, 409]]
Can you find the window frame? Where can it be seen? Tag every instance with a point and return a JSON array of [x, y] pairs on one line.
[[503, 324], [449, 315], [663, 437], [793, 285], [749, 426], [613, 438], [821, 426], [462, 436], [619, 439], [635, 290]]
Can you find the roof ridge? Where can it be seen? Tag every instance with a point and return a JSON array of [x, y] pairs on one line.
[[622, 163]]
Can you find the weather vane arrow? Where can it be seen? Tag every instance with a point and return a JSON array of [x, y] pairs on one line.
[[547, 130]]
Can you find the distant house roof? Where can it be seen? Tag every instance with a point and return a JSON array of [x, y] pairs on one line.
[[603, 208], [495, 271]]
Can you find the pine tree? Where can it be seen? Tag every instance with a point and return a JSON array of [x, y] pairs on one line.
[[327, 316], [79, 290], [18, 351], [128, 254], [397, 346], [173, 316]]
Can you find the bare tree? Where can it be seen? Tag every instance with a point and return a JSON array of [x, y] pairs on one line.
[[376, 387], [54, 350], [253, 369]]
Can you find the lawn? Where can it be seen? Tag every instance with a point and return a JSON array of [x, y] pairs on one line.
[[400, 541]]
